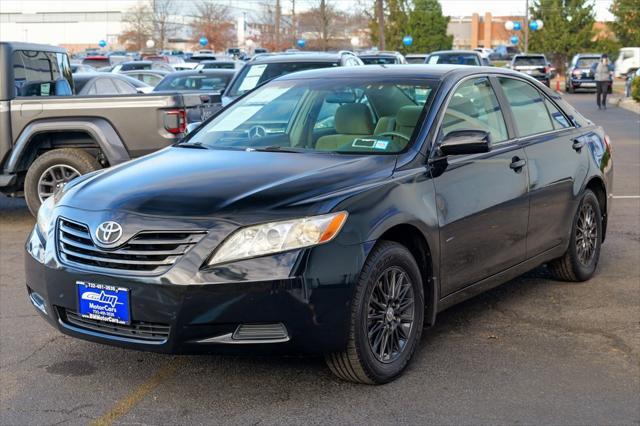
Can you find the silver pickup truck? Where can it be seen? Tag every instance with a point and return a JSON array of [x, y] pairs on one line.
[[48, 136]]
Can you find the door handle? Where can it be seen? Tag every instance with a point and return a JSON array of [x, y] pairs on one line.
[[577, 144], [517, 164]]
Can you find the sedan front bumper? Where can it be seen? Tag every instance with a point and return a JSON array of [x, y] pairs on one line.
[[307, 312]]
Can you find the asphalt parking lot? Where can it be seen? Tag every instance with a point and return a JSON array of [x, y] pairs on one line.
[[534, 351]]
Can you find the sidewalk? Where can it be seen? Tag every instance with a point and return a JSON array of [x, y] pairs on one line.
[[626, 103]]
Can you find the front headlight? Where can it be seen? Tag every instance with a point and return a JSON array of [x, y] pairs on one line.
[[45, 216], [276, 237]]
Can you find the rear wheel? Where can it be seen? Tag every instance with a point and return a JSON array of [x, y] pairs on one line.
[[52, 170], [387, 316], [581, 258], [571, 89]]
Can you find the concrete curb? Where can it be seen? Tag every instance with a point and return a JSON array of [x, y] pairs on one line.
[[626, 103]]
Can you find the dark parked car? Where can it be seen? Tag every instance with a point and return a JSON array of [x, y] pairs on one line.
[[382, 58], [267, 229], [503, 53], [579, 74], [97, 61], [142, 65], [535, 65], [215, 80], [457, 57], [268, 66], [108, 84], [209, 84], [415, 58], [219, 64]]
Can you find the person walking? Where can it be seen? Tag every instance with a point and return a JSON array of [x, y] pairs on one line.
[[602, 73]]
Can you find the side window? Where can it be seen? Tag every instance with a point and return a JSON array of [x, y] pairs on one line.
[[529, 113], [557, 118], [474, 106], [34, 73]]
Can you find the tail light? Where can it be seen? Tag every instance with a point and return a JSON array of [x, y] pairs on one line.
[[547, 70], [175, 121], [607, 142]]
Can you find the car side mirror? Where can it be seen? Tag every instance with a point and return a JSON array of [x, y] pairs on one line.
[[465, 142], [192, 126]]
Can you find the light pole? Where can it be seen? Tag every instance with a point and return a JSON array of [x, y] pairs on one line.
[[526, 26]]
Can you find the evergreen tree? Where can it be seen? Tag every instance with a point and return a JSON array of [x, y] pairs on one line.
[[627, 21], [567, 30], [395, 24], [428, 27]]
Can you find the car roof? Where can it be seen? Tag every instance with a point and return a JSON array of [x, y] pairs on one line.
[[210, 71], [219, 61], [453, 52], [17, 45], [398, 71], [151, 71], [523, 55], [268, 58]]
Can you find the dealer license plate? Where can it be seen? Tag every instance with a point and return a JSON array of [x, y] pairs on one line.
[[103, 302]]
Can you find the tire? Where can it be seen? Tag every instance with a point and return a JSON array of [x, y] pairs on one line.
[[71, 162], [572, 266], [358, 363], [571, 89]]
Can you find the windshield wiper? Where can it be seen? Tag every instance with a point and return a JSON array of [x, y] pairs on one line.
[[194, 145], [277, 148]]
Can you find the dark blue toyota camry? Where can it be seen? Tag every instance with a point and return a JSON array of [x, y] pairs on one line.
[[334, 211]]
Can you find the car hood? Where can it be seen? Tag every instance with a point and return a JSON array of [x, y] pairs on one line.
[[204, 182]]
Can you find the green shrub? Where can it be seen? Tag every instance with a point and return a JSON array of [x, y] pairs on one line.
[[635, 89]]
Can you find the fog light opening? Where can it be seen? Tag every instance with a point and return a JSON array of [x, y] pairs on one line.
[[38, 301]]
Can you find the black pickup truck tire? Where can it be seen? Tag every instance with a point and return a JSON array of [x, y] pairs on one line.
[[53, 169]]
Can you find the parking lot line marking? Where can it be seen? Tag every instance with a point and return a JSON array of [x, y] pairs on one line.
[[626, 196], [125, 405]]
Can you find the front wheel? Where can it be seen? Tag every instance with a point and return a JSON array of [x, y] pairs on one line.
[[52, 170], [581, 258], [387, 316]]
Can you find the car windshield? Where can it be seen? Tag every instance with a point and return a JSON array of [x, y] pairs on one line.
[[529, 61], [586, 62], [328, 115], [454, 59], [378, 60], [254, 75], [194, 82]]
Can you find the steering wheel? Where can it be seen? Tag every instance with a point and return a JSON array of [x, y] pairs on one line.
[[400, 135]]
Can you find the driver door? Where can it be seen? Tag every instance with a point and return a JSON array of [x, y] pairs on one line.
[[482, 199]]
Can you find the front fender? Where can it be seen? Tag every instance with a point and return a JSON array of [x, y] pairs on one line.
[[99, 129]]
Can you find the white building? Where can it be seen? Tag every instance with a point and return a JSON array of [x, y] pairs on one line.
[[74, 24]]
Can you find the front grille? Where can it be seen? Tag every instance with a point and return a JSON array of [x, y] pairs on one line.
[[138, 330], [149, 252]]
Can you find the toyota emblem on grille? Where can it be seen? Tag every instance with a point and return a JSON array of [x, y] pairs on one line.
[[109, 232]]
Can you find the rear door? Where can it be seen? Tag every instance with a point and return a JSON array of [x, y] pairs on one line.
[[482, 199], [557, 156]]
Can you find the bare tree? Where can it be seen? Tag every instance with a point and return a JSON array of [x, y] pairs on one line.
[[213, 21], [139, 27], [163, 11], [318, 19]]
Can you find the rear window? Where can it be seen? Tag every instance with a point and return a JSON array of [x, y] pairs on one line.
[[379, 60], [529, 60], [193, 82], [217, 65], [254, 75], [454, 59], [41, 73], [96, 62]]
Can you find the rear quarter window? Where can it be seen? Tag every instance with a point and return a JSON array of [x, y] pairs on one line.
[[37, 73]]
